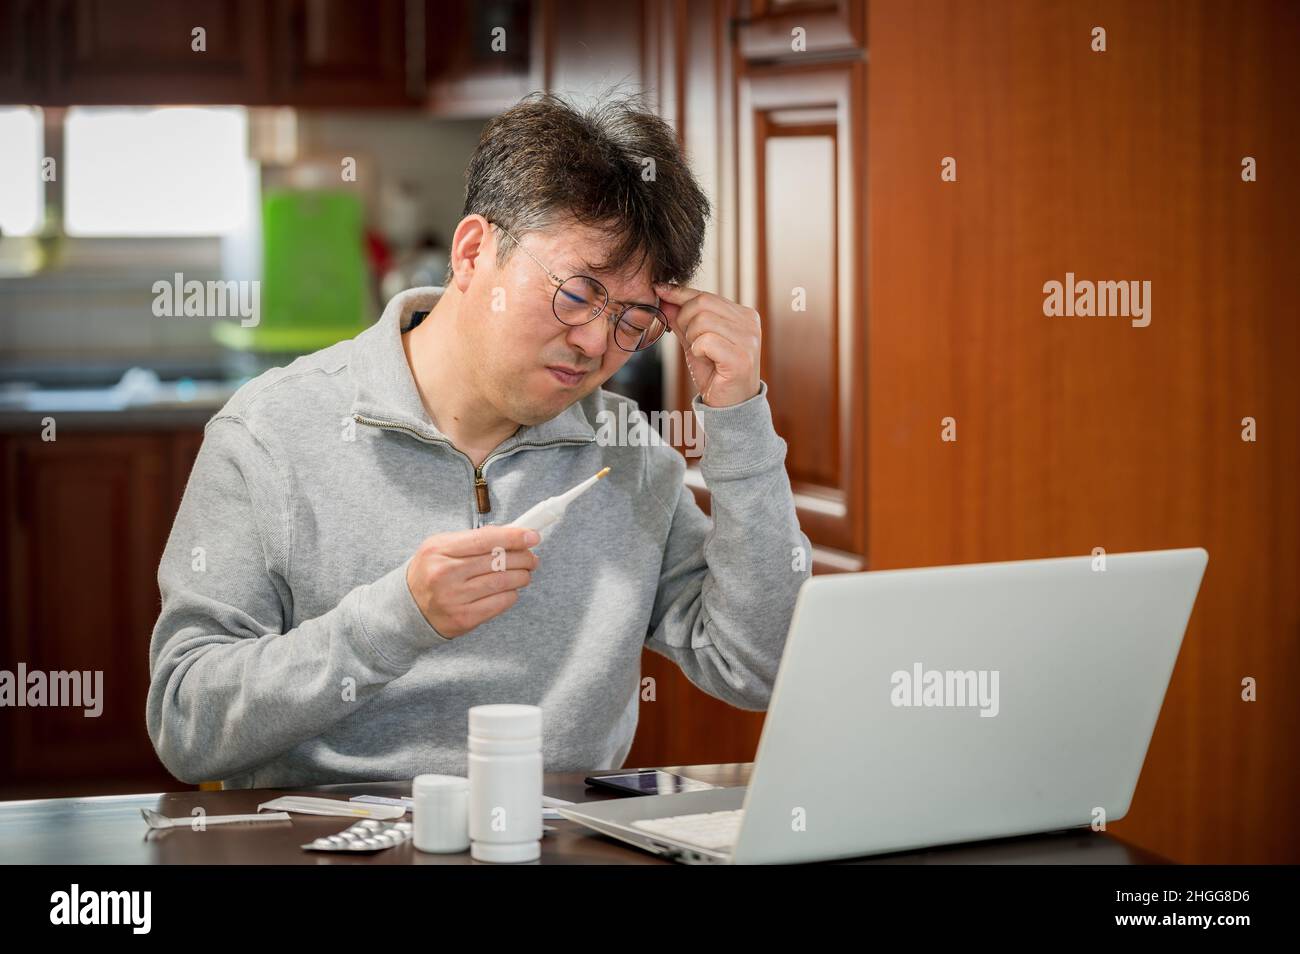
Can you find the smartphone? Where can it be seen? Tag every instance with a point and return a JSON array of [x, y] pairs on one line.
[[646, 782]]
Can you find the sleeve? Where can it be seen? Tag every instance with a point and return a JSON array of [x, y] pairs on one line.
[[229, 688], [727, 585]]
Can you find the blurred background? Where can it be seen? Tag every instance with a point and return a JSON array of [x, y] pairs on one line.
[[318, 147]]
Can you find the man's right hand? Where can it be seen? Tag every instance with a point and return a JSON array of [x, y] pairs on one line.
[[463, 578]]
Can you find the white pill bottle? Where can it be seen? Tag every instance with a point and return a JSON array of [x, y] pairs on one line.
[[505, 783]]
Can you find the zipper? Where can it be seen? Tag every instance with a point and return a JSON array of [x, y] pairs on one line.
[[482, 499]]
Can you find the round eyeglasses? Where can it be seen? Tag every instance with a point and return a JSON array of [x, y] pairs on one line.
[[580, 299]]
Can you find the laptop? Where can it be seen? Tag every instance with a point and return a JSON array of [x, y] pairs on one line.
[[935, 706]]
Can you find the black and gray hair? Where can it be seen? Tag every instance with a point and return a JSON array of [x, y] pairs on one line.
[[546, 162]]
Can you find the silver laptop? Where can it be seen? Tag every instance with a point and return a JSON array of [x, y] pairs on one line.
[[934, 706]]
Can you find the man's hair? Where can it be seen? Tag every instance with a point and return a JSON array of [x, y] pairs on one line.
[[614, 166]]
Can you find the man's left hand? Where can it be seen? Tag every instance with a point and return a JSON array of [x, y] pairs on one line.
[[723, 342]]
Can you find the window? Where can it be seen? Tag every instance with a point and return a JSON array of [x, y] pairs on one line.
[[22, 191], [155, 172]]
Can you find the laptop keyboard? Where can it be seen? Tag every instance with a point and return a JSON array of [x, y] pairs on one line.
[[706, 830]]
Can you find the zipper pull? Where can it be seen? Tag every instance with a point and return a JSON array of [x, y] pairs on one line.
[[481, 491]]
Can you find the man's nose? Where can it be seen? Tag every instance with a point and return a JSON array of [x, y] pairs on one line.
[[592, 339]]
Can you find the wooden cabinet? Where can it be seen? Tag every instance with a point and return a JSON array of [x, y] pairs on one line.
[[141, 52], [451, 57], [483, 57], [591, 45], [341, 53], [84, 524]]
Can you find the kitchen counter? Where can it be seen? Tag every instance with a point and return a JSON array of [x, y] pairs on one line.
[[142, 418], [139, 399]]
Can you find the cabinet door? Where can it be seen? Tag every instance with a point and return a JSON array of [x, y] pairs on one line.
[[480, 54], [344, 53], [801, 163], [589, 46], [779, 142], [85, 521], [141, 52]]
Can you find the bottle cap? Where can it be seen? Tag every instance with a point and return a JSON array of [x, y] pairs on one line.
[[505, 722], [434, 784]]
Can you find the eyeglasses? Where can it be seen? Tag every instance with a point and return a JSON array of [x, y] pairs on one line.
[[580, 299]]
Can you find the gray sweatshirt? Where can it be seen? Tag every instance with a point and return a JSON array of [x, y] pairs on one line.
[[289, 650]]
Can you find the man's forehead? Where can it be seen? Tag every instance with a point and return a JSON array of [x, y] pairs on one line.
[[625, 285], [581, 249]]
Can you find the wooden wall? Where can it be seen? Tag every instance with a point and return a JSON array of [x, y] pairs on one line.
[[1072, 433], [926, 302], [1075, 433]]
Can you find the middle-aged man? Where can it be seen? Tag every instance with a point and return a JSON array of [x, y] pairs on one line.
[[341, 582]]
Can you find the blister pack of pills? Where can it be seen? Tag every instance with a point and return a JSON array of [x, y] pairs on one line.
[[367, 835]]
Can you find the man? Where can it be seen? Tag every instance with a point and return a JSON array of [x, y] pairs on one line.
[[342, 584]]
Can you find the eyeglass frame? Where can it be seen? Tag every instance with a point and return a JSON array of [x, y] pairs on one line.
[[614, 319]]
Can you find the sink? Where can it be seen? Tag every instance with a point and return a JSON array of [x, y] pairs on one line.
[[138, 388]]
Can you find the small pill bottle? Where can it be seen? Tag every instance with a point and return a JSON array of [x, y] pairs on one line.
[[505, 783], [440, 814]]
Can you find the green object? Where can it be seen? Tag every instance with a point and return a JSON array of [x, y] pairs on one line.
[[313, 274]]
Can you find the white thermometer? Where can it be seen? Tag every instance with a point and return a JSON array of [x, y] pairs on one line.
[[550, 510]]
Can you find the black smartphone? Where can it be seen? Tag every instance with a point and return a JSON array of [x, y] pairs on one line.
[[646, 782]]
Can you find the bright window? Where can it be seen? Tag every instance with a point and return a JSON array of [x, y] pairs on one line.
[[22, 192], [161, 172]]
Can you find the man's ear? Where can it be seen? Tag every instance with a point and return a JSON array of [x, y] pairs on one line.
[[472, 240]]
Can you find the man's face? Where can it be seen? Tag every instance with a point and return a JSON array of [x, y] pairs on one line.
[[527, 363]]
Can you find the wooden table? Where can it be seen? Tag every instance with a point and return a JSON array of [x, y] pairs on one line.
[[110, 830]]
